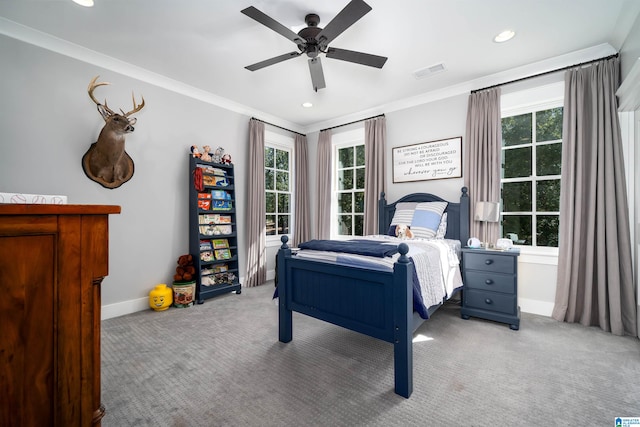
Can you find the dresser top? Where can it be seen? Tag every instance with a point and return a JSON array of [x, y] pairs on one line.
[[49, 209]]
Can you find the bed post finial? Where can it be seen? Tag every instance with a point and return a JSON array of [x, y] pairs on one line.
[[403, 248], [284, 239]]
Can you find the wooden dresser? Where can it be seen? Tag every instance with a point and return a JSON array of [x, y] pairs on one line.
[[52, 261]]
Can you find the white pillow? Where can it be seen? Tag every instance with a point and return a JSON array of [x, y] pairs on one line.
[[442, 228]]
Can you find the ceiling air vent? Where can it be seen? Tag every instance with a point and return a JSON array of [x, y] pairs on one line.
[[428, 71]]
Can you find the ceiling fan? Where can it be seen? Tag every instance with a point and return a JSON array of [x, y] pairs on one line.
[[314, 40]]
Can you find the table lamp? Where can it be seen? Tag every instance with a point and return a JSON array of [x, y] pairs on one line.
[[487, 212]]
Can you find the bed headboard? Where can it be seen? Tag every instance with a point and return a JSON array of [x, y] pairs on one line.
[[457, 218]]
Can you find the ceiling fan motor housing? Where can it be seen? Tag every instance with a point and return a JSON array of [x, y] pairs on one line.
[[309, 34]]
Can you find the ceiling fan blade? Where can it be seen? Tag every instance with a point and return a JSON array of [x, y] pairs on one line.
[[272, 61], [268, 21], [355, 10], [357, 57], [317, 76]]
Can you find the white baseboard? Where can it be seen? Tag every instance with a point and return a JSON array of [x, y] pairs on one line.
[[124, 307], [131, 306], [543, 308]]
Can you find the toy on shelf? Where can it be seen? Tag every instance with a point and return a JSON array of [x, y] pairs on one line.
[[205, 153], [217, 155], [195, 152]]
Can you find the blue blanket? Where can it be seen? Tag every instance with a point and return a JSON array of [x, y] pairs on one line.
[[358, 247]]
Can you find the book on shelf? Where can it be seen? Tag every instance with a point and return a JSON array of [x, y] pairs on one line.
[[215, 230], [222, 205], [222, 254], [220, 243], [205, 245], [211, 170], [220, 268], [204, 195], [206, 256], [220, 195], [204, 204], [208, 179], [214, 219], [221, 181], [218, 278]]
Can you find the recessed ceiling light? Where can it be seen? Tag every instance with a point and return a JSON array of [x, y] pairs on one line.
[[504, 36], [307, 104], [85, 3]]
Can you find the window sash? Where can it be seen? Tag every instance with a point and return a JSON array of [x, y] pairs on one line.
[[534, 214], [353, 139], [275, 219]]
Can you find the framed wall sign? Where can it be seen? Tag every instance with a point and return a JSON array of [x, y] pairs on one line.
[[428, 160]]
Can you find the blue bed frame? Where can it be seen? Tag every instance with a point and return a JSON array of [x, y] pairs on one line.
[[377, 304]]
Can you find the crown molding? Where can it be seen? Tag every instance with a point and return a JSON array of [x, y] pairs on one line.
[[63, 47], [529, 70]]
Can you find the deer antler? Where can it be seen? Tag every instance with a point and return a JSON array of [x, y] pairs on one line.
[[136, 108], [92, 86]]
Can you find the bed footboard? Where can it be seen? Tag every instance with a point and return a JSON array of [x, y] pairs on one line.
[[375, 303]]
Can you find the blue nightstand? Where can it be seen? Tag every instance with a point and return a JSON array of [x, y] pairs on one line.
[[491, 285]]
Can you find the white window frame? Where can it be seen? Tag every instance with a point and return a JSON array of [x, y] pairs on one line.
[[350, 138], [284, 143], [523, 102]]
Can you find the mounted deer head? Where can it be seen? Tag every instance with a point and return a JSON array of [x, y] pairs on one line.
[[106, 162]]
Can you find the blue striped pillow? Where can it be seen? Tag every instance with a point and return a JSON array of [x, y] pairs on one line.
[[402, 215], [426, 219]]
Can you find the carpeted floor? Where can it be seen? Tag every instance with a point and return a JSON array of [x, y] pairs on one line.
[[220, 364]]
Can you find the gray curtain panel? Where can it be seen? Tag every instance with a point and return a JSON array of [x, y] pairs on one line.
[[375, 139], [302, 223], [323, 185], [255, 223], [483, 157], [595, 278]]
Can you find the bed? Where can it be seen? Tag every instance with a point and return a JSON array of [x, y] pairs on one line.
[[376, 303]]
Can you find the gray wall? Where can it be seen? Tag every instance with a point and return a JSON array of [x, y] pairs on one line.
[[47, 122]]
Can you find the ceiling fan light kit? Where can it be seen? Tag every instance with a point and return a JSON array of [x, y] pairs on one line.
[[314, 40]]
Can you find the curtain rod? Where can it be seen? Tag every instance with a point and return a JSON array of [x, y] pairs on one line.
[[279, 127], [546, 72], [355, 121]]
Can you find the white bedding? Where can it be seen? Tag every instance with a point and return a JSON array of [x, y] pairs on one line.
[[436, 261]]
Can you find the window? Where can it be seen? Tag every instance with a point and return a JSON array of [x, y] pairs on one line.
[[278, 179], [348, 181], [531, 161]]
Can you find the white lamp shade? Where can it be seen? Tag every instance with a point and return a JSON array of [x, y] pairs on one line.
[[487, 211]]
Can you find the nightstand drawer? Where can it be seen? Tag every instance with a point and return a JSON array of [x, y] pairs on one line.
[[489, 262], [490, 301], [505, 283]]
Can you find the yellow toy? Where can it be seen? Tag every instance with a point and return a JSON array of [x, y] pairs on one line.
[[160, 297]]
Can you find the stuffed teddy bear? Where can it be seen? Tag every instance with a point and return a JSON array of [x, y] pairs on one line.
[[185, 271], [205, 154], [403, 231]]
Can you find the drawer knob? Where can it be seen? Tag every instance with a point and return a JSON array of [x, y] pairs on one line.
[[489, 282], [488, 261], [488, 301]]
